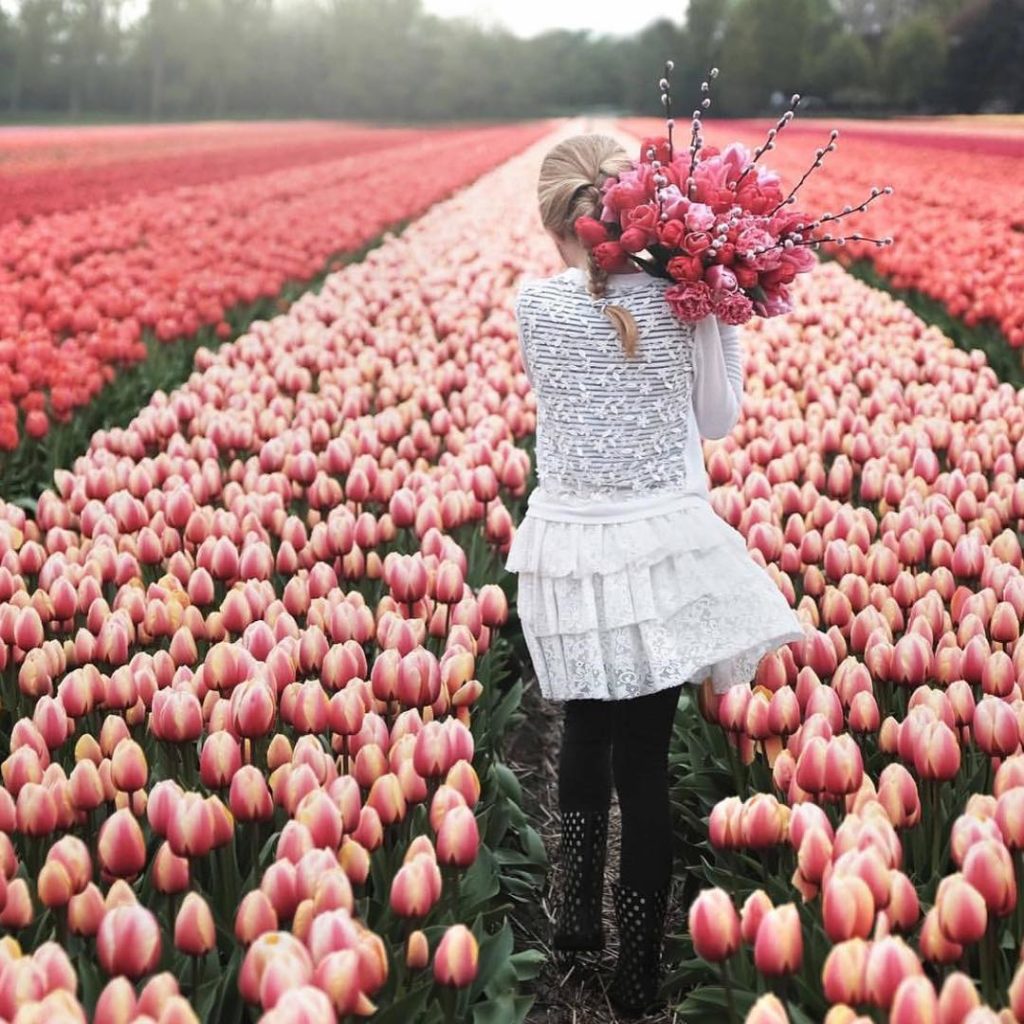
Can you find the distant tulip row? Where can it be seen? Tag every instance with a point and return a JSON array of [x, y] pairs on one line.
[[877, 818], [251, 665], [50, 170], [973, 265], [157, 268]]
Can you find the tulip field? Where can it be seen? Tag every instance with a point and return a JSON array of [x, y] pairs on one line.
[[259, 660], [142, 259]]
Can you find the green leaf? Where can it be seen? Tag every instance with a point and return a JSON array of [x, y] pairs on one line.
[[507, 782], [405, 1009], [528, 963], [495, 950], [505, 1009]]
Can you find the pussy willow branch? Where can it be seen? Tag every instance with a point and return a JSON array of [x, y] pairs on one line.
[[819, 159], [773, 133], [848, 210]]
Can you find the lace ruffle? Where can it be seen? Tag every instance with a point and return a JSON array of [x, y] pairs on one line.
[[634, 607], [722, 633], [552, 548]]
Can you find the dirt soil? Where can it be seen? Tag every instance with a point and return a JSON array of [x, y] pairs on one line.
[[571, 987]]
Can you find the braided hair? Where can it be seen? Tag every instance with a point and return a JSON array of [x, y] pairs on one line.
[[571, 176]]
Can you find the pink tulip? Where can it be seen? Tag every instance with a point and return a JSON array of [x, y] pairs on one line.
[[714, 925], [456, 957]]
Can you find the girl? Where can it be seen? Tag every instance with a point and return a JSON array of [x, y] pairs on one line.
[[629, 584]]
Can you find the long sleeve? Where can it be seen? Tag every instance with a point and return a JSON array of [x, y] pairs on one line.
[[520, 311], [718, 383]]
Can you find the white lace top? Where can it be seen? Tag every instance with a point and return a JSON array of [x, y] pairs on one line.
[[611, 427]]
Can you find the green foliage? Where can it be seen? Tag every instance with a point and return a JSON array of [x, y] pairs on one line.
[[843, 65], [913, 61], [390, 60]]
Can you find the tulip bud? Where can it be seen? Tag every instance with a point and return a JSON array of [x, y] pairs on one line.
[[714, 925], [915, 1002], [958, 998], [416, 887], [338, 974], [842, 976], [933, 944], [219, 759], [779, 946], [456, 957], [988, 867], [122, 846], [890, 960], [962, 914], [128, 941], [117, 1003], [417, 951], [85, 911], [757, 904], [249, 797], [848, 907], [194, 932], [767, 1010], [458, 839], [255, 916]]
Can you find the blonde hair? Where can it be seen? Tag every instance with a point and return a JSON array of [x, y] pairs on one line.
[[570, 182]]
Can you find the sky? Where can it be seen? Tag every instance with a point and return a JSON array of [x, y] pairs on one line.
[[525, 17], [528, 17]]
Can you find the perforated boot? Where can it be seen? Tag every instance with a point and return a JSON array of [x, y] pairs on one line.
[[641, 922], [584, 845]]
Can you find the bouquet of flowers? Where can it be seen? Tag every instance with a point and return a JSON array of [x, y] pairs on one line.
[[713, 221]]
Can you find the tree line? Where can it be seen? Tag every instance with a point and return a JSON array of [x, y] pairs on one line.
[[389, 60]]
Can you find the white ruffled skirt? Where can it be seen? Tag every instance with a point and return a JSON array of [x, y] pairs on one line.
[[619, 600]]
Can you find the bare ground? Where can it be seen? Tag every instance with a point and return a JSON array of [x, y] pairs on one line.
[[570, 988]]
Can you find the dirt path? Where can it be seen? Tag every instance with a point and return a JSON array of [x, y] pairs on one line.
[[568, 991]]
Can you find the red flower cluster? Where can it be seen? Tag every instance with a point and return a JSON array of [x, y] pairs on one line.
[[712, 221], [966, 254]]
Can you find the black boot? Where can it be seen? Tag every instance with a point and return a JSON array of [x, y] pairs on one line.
[[641, 923], [584, 844]]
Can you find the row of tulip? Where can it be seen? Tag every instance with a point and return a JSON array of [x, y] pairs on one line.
[[97, 289], [59, 170], [255, 672], [973, 266], [861, 806]]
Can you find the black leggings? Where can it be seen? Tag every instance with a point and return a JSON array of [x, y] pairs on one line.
[[627, 740]]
